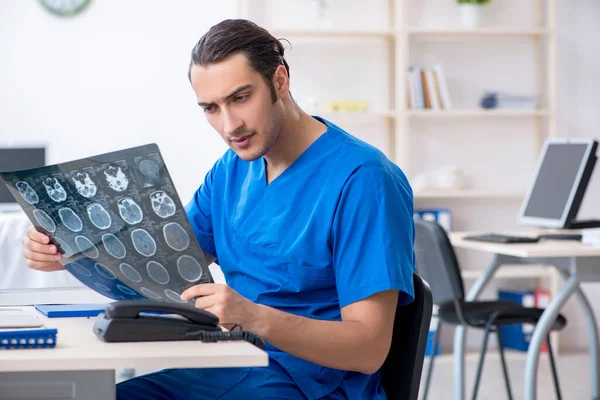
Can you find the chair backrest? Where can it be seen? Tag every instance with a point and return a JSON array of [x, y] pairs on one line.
[[401, 371], [436, 262]]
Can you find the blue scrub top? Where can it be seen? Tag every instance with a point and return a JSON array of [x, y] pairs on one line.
[[334, 228]]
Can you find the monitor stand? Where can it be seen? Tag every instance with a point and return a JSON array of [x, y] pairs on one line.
[[585, 224]]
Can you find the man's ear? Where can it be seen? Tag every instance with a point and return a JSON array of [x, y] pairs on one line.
[[281, 81]]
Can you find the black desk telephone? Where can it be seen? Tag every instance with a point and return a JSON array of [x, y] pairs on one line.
[[146, 320]]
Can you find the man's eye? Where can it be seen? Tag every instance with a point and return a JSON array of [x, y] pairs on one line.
[[239, 99], [209, 110]]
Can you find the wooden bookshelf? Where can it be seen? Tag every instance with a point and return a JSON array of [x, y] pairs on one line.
[[358, 116], [476, 112], [478, 32], [467, 194], [333, 33]]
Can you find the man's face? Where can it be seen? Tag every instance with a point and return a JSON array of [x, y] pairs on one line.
[[237, 102]]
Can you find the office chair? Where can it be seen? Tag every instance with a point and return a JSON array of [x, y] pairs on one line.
[[401, 371], [437, 263]]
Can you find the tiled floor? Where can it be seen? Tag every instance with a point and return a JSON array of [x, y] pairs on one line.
[[573, 370]]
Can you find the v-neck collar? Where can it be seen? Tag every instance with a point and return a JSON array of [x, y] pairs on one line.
[[301, 159]]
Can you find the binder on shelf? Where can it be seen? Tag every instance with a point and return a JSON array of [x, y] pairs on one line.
[[442, 216], [28, 338], [518, 336]]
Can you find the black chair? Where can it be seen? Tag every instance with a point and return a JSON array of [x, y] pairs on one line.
[[437, 263], [401, 371]]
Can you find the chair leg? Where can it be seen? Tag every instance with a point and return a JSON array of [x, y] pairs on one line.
[[503, 360], [436, 341], [488, 328], [553, 366]]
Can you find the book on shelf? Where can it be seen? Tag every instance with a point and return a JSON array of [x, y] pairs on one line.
[[428, 89]]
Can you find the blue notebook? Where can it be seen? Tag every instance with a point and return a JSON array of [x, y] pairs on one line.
[[70, 310], [27, 338]]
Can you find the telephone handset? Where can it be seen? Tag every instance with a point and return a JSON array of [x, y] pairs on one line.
[[133, 309], [147, 320]]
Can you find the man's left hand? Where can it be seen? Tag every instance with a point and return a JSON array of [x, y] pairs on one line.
[[227, 304]]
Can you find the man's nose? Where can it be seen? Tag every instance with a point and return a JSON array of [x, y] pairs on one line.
[[231, 123]]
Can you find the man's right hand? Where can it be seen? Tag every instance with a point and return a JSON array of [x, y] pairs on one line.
[[39, 254]]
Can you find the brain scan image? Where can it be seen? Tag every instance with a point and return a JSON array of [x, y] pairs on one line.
[[27, 192], [176, 237], [67, 250], [55, 190], [86, 246], [121, 226], [84, 185], [189, 268], [116, 178], [130, 273], [113, 246], [130, 211], [44, 220], [162, 204], [102, 287], [174, 296], [80, 269], [99, 216], [150, 172], [157, 272], [126, 290], [150, 294], [70, 219], [143, 242], [105, 272]]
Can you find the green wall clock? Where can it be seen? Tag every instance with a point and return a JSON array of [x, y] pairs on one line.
[[64, 8]]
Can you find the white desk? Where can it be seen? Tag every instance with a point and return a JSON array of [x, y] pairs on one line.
[[78, 349], [575, 261]]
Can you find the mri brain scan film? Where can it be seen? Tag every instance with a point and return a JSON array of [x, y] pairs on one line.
[[118, 221], [84, 185]]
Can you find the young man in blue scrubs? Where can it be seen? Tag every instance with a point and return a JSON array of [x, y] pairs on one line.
[[312, 228]]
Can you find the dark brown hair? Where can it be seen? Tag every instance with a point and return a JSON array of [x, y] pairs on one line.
[[263, 51]]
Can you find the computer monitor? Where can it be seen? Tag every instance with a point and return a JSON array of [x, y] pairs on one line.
[[17, 158], [561, 177]]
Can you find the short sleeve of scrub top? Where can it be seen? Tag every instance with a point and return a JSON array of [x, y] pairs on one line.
[[371, 243]]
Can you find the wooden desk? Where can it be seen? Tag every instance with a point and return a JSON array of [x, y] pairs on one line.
[[542, 249], [78, 349], [575, 261]]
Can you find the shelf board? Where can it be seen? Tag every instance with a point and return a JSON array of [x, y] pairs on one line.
[[512, 272], [332, 33], [466, 194], [476, 112], [478, 32], [357, 116]]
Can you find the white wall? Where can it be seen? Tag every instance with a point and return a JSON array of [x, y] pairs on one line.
[[115, 77]]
